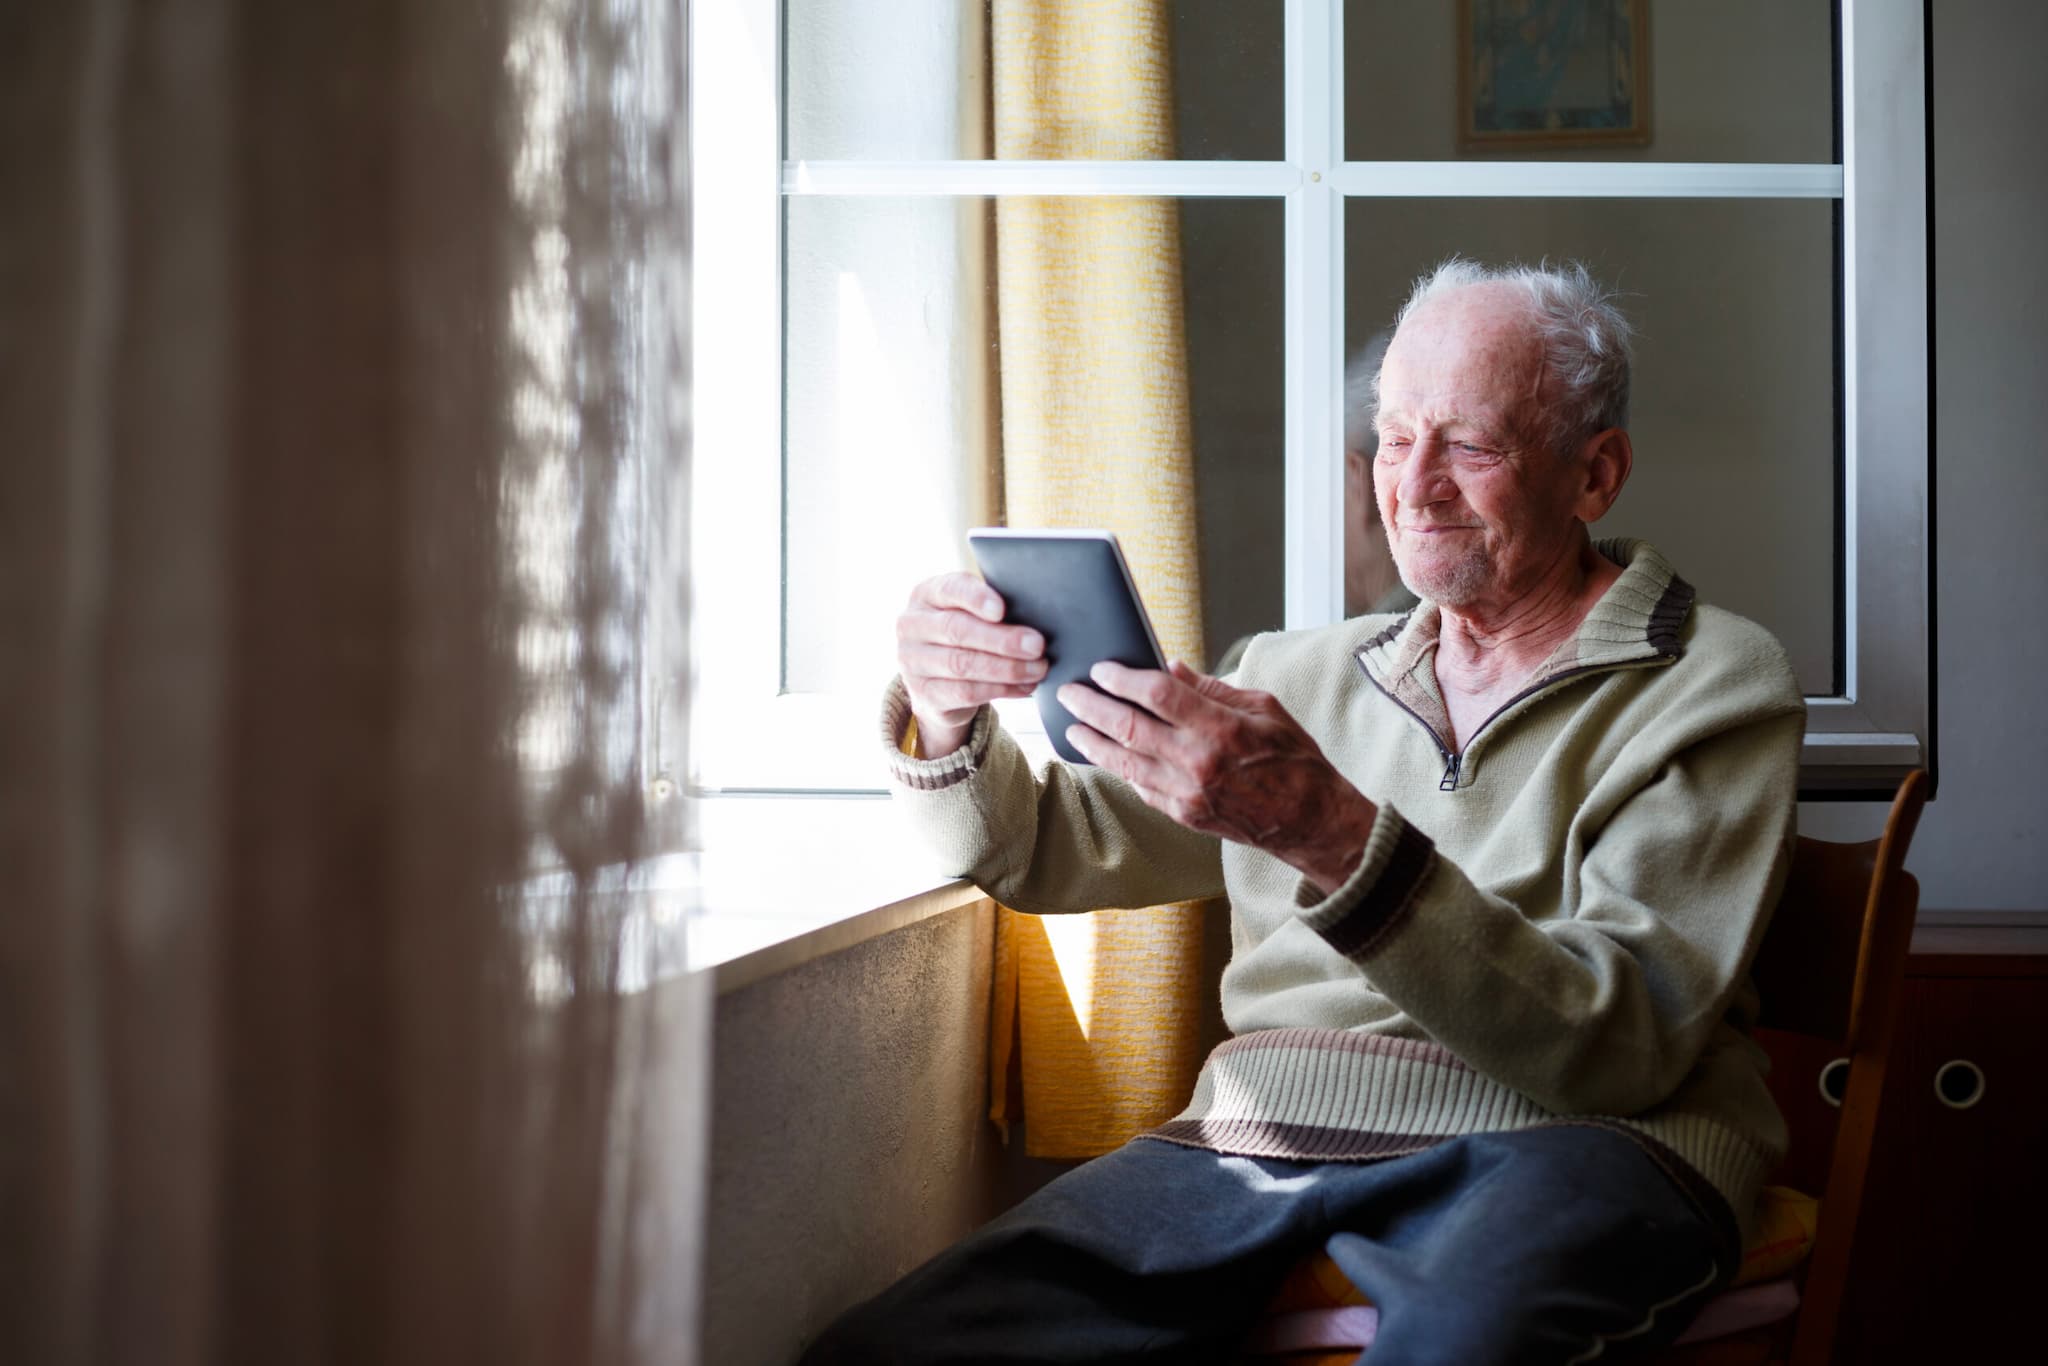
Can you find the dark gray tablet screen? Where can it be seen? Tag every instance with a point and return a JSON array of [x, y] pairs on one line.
[[1074, 591]]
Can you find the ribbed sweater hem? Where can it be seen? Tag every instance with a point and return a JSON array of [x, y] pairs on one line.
[[1332, 1095]]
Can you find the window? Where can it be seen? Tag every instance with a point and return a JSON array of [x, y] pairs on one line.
[[1773, 231]]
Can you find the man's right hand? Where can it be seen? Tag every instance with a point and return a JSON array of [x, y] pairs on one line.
[[956, 654]]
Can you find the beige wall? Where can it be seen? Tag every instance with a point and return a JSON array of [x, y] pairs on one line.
[[849, 1138]]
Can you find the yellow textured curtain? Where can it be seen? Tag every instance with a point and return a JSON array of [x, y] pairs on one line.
[[1099, 1013]]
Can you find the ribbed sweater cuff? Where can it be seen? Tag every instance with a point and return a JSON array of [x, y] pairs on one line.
[[1381, 892], [930, 775]]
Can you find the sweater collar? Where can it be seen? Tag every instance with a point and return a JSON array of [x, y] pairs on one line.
[[1637, 619]]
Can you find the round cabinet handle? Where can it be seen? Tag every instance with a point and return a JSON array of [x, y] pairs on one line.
[[1834, 1082], [1959, 1084]]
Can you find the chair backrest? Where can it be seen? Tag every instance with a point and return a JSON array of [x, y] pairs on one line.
[[1830, 975], [1830, 967]]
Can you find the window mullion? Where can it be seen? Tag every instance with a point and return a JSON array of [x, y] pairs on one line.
[[1314, 499], [1175, 179], [1589, 180]]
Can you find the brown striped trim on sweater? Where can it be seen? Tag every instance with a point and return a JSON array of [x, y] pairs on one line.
[[1386, 637], [1385, 905], [931, 775], [1668, 616]]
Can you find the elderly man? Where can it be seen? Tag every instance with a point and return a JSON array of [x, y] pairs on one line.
[[1497, 868]]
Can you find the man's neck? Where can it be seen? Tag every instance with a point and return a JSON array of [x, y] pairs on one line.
[[1495, 649]]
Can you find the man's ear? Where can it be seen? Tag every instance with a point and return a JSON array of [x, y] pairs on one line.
[[1605, 461]]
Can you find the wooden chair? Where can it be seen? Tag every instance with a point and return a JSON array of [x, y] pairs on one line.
[[1830, 974]]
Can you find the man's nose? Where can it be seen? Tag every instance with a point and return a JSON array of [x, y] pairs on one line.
[[1425, 474]]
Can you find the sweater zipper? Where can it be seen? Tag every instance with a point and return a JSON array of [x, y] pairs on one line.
[[1454, 760]]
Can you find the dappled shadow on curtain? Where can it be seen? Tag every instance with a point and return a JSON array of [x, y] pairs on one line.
[[343, 508]]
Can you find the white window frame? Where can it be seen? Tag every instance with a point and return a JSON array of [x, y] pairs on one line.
[[750, 738]]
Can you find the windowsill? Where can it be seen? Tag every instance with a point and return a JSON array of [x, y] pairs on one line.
[[787, 880], [739, 951]]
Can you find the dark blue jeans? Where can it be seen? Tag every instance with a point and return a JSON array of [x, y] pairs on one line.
[[1558, 1244]]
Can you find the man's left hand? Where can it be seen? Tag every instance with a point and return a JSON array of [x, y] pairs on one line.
[[1226, 761]]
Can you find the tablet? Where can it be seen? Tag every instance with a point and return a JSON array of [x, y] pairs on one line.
[[1074, 588]]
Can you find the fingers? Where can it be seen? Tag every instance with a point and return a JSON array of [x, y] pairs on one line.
[[1117, 720], [951, 697], [1169, 764], [1155, 691], [944, 611], [965, 634], [1180, 695], [1161, 784], [952, 677], [955, 651], [963, 591], [956, 666]]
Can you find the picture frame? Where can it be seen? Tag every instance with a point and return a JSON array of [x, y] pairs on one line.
[[1553, 73]]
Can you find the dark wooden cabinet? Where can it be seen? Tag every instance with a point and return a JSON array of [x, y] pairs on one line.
[[1951, 1260]]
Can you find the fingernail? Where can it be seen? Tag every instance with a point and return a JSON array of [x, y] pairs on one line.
[[1032, 642]]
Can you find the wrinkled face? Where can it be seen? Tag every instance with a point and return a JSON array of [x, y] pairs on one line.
[[1477, 509]]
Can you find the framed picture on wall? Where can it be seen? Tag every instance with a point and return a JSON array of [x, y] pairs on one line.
[[1546, 73]]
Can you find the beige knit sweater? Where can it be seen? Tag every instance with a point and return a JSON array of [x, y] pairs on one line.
[[1555, 923]]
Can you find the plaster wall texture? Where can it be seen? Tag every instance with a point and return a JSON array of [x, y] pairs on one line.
[[850, 1139]]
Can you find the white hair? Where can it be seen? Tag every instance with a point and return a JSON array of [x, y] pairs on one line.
[[1585, 337]]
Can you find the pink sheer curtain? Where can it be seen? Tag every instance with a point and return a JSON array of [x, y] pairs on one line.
[[342, 443]]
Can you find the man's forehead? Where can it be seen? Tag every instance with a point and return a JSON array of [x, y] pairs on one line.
[[1489, 314], [1477, 343]]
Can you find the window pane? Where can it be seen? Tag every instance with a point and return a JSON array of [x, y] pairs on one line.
[[912, 81], [893, 395], [1735, 387], [889, 411], [1234, 276], [1738, 80]]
